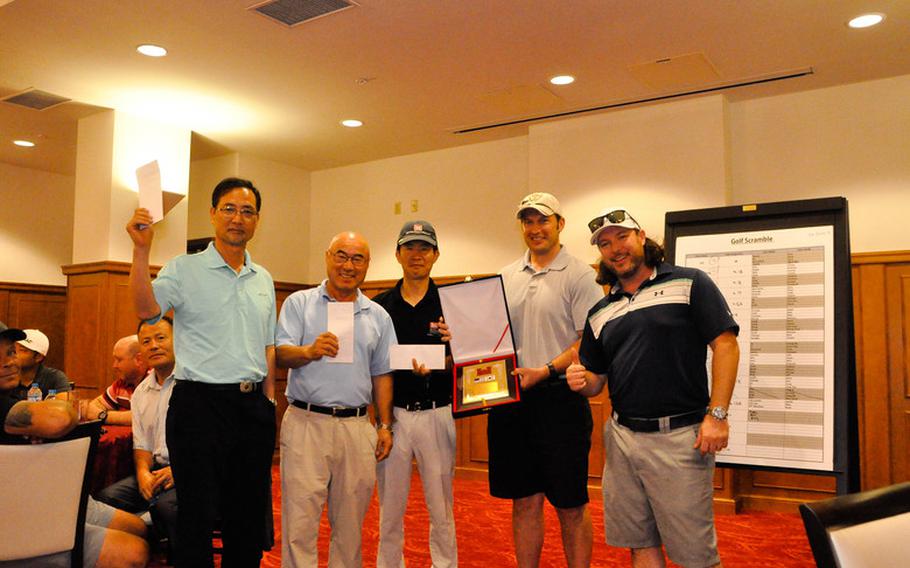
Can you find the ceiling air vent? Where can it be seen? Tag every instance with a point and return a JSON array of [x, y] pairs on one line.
[[35, 99], [293, 12]]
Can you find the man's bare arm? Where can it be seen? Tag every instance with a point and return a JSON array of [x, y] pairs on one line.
[[141, 232], [382, 403], [45, 419], [293, 356]]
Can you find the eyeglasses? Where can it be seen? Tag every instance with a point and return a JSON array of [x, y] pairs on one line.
[[340, 258], [228, 212], [614, 217]]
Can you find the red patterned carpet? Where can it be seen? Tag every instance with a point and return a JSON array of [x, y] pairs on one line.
[[749, 540]]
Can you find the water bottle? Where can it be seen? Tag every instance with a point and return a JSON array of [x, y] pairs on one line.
[[34, 392], [51, 394]]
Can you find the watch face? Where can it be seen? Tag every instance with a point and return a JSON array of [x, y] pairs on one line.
[[719, 412]]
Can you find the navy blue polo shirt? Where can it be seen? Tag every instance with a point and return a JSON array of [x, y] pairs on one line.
[[411, 326], [652, 344]]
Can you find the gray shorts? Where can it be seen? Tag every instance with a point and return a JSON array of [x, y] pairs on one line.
[[97, 517], [658, 490]]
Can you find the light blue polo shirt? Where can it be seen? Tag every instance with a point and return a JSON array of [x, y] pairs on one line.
[[223, 321], [304, 316]]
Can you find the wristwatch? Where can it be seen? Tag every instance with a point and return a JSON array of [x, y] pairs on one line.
[[384, 426], [554, 374], [102, 416], [718, 413]]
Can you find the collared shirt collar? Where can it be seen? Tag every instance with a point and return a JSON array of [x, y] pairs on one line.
[[213, 258], [361, 302], [559, 263], [398, 284], [662, 268]]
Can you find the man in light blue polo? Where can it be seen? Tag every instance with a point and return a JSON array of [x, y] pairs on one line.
[[221, 418], [329, 449]]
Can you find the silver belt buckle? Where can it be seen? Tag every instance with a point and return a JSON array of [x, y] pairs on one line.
[[246, 386]]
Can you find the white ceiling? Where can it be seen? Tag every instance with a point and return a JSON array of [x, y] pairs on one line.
[[245, 83]]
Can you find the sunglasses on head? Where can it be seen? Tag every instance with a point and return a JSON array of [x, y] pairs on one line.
[[614, 217]]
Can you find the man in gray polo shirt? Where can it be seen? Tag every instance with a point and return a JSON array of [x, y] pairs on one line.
[[539, 447]]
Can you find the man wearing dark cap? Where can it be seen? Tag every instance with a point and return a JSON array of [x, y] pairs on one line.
[[649, 338], [539, 447], [424, 428]]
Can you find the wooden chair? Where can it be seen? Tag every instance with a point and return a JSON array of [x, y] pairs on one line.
[[44, 493], [868, 529]]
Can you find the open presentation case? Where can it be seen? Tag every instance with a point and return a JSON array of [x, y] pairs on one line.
[[483, 349]]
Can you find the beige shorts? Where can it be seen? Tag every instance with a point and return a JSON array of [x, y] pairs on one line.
[[658, 490]]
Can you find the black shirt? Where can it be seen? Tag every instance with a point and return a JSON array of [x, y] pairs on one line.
[[47, 378], [652, 344], [412, 324], [6, 404]]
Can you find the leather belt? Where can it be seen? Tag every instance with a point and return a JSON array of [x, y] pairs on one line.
[[336, 411], [246, 386], [662, 424], [422, 405]]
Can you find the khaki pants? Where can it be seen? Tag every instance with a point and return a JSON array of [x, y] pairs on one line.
[[325, 460], [429, 436]]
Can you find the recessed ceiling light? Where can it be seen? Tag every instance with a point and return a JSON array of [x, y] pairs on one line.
[[562, 80], [866, 20], [24, 143], [352, 123], [151, 50]]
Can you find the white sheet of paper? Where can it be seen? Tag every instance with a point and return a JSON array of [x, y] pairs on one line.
[[341, 323], [149, 178], [431, 356], [151, 195]]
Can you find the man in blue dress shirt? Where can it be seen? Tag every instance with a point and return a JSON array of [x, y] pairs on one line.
[[221, 419], [329, 449]]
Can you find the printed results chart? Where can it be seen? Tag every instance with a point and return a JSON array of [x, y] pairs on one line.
[[782, 297]]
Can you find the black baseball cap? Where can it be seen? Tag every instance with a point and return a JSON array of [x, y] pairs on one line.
[[12, 334], [417, 231]]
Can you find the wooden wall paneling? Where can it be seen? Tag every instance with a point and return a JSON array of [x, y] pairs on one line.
[[86, 338], [282, 291], [872, 372], [45, 312], [898, 309], [99, 311], [4, 306], [36, 306], [726, 500]]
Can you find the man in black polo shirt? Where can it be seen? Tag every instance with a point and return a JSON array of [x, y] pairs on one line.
[[649, 338], [424, 428]]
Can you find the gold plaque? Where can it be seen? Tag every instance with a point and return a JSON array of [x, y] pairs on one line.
[[483, 382]]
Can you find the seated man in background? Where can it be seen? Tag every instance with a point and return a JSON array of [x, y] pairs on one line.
[[31, 352], [152, 488], [113, 405], [113, 539]]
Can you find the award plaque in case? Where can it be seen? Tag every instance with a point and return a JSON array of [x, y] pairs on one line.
[[482, 346]]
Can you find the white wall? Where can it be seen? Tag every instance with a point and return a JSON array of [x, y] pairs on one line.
[[36, 225], [111, 146], [469, 193], [282, 238], [851, 141], [204, 176], [281, 242], [649, 160]]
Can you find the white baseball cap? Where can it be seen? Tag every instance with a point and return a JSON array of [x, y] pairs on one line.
[[36, 341], [611, 217], [544, 203]]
